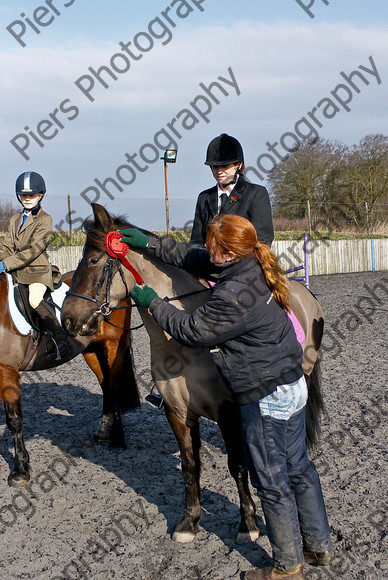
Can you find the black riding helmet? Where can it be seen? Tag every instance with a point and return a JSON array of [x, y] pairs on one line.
[[29, 182], [224, 150]]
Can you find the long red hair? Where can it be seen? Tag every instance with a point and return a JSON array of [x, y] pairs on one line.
[[233, 233]]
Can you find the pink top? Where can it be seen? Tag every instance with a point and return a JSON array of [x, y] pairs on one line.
[[300, 335]]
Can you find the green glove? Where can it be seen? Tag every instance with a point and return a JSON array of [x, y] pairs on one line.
[[134, 237], [143, 296]]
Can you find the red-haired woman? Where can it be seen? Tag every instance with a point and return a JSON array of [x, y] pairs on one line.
[[260, 360]]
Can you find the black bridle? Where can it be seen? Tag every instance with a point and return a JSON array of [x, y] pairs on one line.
[[116, 257], [105, 309]]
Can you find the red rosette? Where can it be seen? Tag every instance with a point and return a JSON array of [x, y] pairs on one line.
[[114, 246], [118, 249]]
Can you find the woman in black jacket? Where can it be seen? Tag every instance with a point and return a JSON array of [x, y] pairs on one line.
[[251, 337], [231, 194]]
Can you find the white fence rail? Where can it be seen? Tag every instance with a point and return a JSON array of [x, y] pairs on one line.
[[325, 256], [335, 256], [66, 257]]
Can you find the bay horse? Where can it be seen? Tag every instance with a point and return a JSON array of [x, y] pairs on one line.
[[108, 354], [186, 377]]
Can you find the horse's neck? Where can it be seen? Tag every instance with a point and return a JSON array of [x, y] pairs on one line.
[[165, 279], [159, 276]]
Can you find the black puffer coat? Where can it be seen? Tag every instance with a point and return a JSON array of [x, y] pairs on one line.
[[251, 337]]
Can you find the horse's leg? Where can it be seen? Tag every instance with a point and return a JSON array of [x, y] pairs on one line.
[[10, 396], [189, 442], [96, 360], [101, 359], [109, 356], [229, 423]]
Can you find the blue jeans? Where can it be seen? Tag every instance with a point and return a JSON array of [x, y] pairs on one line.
[[287, 484]]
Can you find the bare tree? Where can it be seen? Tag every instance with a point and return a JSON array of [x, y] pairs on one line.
[[7, 209], [367, 178], [344, 185], [312, 172]]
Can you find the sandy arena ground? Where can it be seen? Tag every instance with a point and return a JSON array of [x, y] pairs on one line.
[[100, 514]]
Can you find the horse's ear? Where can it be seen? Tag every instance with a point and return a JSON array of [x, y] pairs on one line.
[[102, 219]]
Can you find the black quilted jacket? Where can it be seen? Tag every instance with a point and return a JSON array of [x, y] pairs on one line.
[[251, 337]]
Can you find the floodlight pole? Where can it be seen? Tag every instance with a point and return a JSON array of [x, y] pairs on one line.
[[69, 212], [166, 199], [168, 157]]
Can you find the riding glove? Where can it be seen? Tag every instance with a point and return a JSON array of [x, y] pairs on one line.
[[143, 296], [134, 237], [2, 267]]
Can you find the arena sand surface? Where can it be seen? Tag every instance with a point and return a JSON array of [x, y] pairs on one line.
[[100, 514]]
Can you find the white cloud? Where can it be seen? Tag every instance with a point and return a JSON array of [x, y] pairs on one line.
[[283, 54], [282, 69]]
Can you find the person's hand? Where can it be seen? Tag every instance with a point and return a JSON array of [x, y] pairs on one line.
[[143, 296], [134, 237], [2, 267]]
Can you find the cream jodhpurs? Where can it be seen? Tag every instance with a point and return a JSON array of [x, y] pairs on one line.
[[35, 293]]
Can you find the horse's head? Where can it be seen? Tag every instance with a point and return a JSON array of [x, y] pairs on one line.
[[99, 281]]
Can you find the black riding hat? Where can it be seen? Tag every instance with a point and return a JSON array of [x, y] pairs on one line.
[[30, 182], [224, 150]]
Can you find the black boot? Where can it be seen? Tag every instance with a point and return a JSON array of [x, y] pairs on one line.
[[59, 340]]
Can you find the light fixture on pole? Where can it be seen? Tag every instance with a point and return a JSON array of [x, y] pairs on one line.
[[168, 157]]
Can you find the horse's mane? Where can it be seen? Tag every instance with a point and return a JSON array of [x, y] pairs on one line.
[[96, 237]]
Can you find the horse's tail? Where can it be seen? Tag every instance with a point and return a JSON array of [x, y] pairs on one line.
[[127, 393], [315, 407]]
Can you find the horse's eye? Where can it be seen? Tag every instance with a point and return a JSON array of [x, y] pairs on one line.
[[93, 261]]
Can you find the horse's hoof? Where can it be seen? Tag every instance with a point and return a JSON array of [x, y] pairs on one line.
[[104, 432], [18, 478], [183, 537], [117, 444], [247, 537], [101, 436]]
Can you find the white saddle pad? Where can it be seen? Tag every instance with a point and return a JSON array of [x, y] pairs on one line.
[[18, 319]]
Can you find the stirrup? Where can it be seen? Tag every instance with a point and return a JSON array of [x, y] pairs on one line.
[[60, 350], [154, 399]]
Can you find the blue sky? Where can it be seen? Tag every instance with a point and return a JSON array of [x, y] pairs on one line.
[[277, 64]]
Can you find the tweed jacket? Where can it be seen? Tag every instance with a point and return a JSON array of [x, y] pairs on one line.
[[247, 200], [24, 252]]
